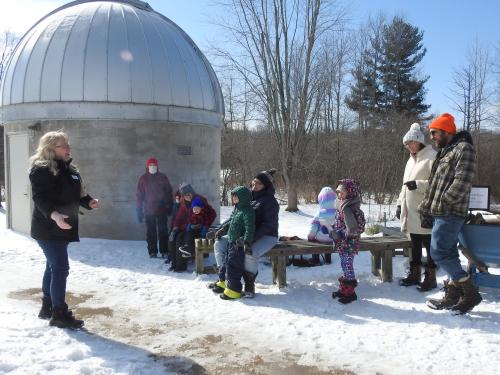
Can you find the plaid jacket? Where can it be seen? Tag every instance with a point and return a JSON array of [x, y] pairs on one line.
[[451, 178]]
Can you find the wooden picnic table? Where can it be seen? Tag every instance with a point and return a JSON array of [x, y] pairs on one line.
[[382, 251]]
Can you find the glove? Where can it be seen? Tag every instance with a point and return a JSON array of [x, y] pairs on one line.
[[398, 212], [337, 235], [211, 235], [324, 229], [193, 227], [219, 234], [203, 232], [426, 221], [248, 248], [140, 214], [173, 234], [411, 185], [240, 242]]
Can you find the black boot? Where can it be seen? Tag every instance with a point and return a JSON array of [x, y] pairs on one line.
[[63, 318], [450, 298], [347, 293], [249, 279], [46, 310], [429, 282], [413, 277], [469, 296]]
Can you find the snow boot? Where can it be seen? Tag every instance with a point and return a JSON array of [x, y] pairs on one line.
[[450, 298], [230, 294], [413, 276], [185, 253], [429, 282], [249, 279], [217, 287], [338, 293], [469, 296], [347, 294], [46, 310], [63, 318]]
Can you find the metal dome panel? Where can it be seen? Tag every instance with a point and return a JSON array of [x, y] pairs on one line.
[[110, 52]]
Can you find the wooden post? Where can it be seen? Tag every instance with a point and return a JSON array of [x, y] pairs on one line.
[[376, 260], [274, 266], [281, 270], [386, 273], [198, 255]]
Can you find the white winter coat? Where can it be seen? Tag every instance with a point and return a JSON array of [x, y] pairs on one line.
[[417, 169]]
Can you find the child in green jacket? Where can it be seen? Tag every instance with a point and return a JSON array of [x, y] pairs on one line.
[[240, 231]]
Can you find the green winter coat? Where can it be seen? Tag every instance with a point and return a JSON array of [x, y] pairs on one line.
[[242, 221]]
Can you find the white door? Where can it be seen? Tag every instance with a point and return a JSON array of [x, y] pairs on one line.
[[18, 194]]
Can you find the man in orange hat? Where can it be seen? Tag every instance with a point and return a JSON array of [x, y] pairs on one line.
[[445, 206]]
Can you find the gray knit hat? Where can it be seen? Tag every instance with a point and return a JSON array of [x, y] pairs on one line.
[[414, 134]]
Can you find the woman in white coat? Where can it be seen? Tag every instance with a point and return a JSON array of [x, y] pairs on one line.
[[415, 182]]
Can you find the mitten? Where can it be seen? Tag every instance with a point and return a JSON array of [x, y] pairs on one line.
[[411, 185], [203, 232], [173, 234], [248, 248], [324, 229]]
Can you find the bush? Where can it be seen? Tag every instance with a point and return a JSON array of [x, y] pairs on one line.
[[373, 229]]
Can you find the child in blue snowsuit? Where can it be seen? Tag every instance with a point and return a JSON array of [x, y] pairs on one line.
[[348, 225], [322, 221]]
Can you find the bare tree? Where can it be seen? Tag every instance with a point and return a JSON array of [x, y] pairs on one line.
[[276, 51], [470, 93], [8, 41]]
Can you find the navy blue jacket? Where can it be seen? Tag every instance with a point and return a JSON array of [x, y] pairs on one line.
[[266, 213]]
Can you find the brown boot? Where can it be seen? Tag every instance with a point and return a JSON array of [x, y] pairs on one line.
[[413, 277], [469, 296], [450, 299], [429, 282]]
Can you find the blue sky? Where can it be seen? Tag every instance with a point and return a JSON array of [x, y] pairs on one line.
[[450, 27]]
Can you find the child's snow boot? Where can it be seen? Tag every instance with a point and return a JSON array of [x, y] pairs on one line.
[[230, 294], [347, 293], [218, 286]]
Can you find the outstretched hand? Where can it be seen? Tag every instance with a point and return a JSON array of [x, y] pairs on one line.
[[95, 204], [60, 220]]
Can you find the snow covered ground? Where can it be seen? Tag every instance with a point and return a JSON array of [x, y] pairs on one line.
[[142, 319]]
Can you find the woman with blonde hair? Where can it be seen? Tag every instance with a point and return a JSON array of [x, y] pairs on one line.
[[58, 192]]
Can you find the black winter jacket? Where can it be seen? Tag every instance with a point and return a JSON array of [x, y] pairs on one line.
[[61, 193], [266, 213]]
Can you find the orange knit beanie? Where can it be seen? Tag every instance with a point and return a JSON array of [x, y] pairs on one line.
[[445, 122]]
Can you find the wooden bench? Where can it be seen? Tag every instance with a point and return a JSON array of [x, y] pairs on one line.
[[382, 250]]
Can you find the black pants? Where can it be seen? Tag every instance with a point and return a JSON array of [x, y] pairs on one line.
[[233, 267], [157, 233], [416, 255]]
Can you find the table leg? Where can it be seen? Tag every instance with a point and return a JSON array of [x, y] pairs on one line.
[[281, 271], [386, 273]]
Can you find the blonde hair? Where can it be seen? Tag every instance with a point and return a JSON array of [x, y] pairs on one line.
[[45, 154]]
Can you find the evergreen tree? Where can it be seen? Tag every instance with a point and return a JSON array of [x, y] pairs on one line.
[[386, 84]]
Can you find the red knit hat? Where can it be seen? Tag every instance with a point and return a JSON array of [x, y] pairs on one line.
[[152, 161], [445, 122]]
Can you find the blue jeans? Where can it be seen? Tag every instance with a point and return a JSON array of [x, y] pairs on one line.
[[56, 271], [444, 240], [259, 247]]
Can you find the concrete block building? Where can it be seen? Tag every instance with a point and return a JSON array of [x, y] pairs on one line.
[[126, 83]]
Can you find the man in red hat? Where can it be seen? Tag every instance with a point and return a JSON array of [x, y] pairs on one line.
[[444, 208], [154, 203]]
